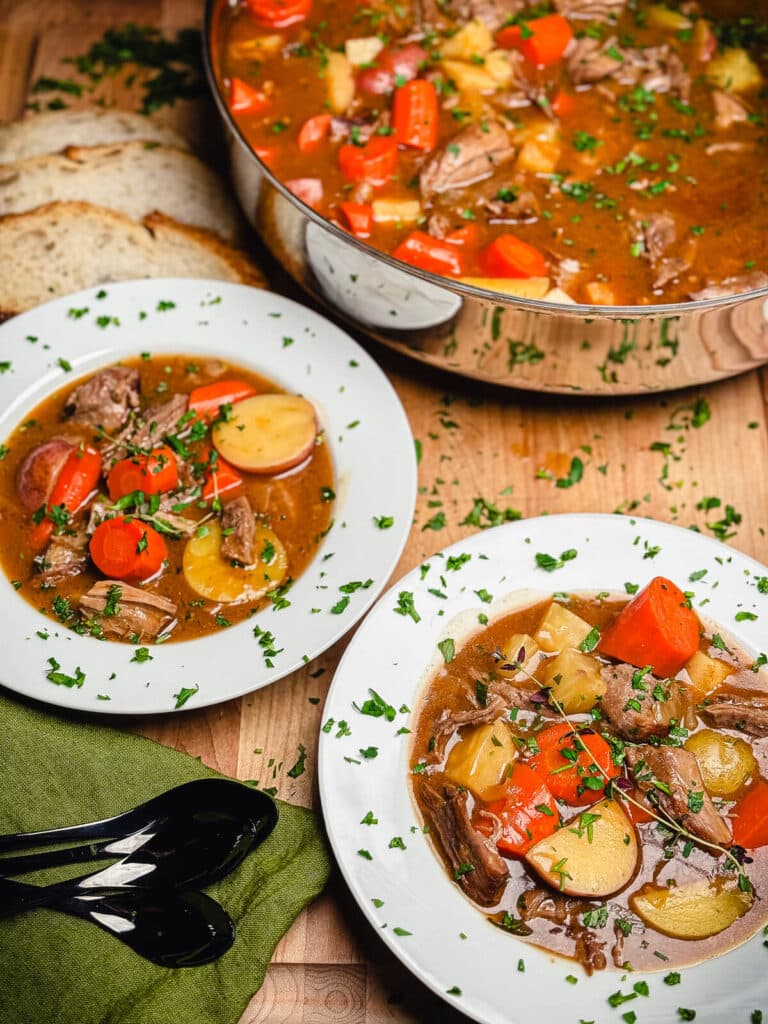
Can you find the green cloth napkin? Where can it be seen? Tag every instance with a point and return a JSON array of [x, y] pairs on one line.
[[55, 770]]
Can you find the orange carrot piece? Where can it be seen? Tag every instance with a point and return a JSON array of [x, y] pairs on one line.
[[656, 628]]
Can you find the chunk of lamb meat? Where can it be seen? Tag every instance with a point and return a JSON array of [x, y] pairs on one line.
[[472, 155], [449, 820], [732, 711], [64, 557], [639, 705], [566, 912], [729, 109], [677, 771], [594, 10], [587, 60], [492, 13], [149, 429], [659, 233], [105, 400], [135, 613], [524, 206], [449, 721], [733, 285], [237, 516]]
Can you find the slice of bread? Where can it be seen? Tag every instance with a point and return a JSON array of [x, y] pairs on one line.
[[132, 177], [63, 247], [86, 126]]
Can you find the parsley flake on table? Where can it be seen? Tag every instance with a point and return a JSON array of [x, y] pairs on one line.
[[299, 767]]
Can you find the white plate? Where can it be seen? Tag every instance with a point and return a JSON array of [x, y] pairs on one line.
[[370, 442], [391, 654]]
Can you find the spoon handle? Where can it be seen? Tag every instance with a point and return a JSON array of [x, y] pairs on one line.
[[19, 865]]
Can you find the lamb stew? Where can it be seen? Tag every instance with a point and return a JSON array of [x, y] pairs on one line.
[[163, 498], [593, 774], [598, 151]]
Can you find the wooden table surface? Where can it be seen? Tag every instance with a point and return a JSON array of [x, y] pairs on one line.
[[507, 448]]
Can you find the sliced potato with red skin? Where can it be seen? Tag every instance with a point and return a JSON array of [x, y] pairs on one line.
[[267, 433], [693, 911], [216, 579], [40, 470], [594, 854]]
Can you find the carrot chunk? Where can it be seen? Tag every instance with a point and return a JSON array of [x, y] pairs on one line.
[[656, 628]]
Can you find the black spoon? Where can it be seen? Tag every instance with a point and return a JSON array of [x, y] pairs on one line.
[[179, 851], [196, 798], [170, 929]]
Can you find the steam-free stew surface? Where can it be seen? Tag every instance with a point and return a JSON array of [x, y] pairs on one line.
[[615, 151], [598, 932], [295, 506]]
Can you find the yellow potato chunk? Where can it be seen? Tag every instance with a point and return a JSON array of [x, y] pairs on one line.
[[257, 47], [593, 854], [706, 674], [363, 50], [575, 680], [693, 911], [734, 70], [267, 433], [522, 287], [469, 78], [479, 761], [498, 67], [560, 629], [600, 293], [340, 82], [511, 649], [726, 763], [214, 578], [396, 211], [540, 151], [472, 40], [659, 16]]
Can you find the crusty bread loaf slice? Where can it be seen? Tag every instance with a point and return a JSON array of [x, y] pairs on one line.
[[63, 247], [87, 126], [132, 177]]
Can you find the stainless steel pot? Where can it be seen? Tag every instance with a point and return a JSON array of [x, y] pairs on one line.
[[519, 343]]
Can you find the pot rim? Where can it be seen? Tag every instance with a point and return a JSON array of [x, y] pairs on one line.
[[577, 310]]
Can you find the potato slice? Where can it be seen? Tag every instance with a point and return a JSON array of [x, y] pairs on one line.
[[706, 674], [725, 762], [560, 629], [659, 16], [363, 50], [734, 70], [593, 854], [267, 433], [472, 40], [575, 680], [522, 287], [511, 648], [340, 82], [396, 211], [469, 78], [479, 760], [693, 911], [214, 578]]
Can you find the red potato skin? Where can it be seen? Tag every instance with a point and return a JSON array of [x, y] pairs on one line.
[[40, 470], [283, 467]]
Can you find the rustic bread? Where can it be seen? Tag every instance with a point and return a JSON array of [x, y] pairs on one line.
[[87, 126], [63, 247], [134, 178]]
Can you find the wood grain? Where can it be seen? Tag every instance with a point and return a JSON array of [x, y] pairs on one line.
[[506, 449]]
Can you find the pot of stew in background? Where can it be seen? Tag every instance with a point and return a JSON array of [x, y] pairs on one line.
[[564, 196]]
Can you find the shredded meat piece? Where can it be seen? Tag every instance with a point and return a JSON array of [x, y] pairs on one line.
[[668, 269], [438, 225], [729, 109], [566, 912], [64, 557], [729, 147], [237, 516], [106, 399], [594, 10], [732, 711], [587, 60], [630, 704], [683, 796], [659, 233], [149, 429], [471, 155], [733, 285], [450, 823], [137, 613], [492, 12], [522, 207]]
